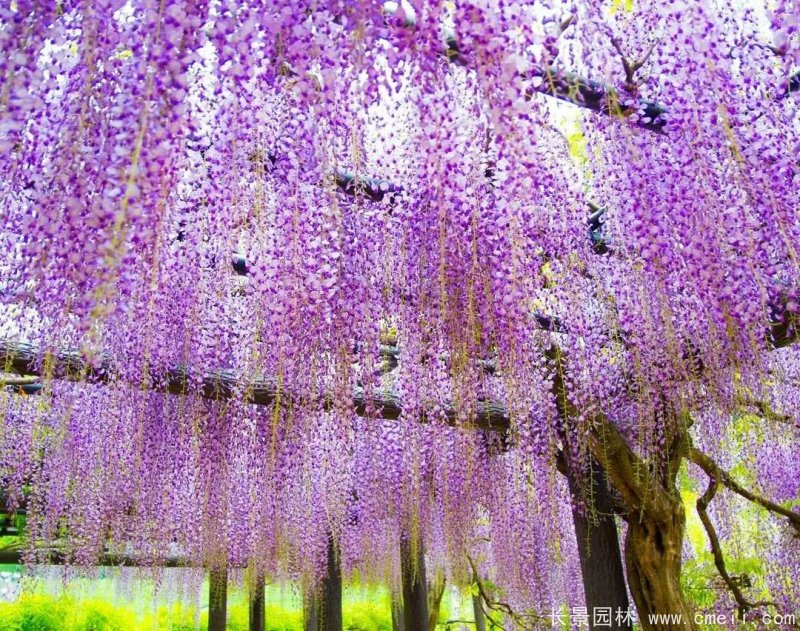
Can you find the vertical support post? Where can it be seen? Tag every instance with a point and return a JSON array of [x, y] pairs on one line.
[[598, 548], [477, 611], [218, 598], [311, 613], [398, 618], [257, 615], [598, 541], [415, 585], [329, 603]]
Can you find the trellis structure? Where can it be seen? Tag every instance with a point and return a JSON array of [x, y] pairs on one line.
[[489, 416]]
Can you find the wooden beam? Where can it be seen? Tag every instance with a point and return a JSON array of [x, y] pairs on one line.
[[592, 95], [221, 385], [58, 557], [564, 86], [576, 90]]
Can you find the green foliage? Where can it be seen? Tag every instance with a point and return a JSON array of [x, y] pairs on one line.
[[175, 617], [97, 614], [40, 612], [43, 613], [365, 616], [92, 606], [32, 613], [280, 619], [277, 618], [10, 542]]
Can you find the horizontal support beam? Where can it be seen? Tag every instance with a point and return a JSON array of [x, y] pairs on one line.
[[221, 385], [569, 87], [552, 82], [592, 95], [14, 556]]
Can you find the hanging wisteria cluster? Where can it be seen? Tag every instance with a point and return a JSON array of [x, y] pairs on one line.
[[361, 202]]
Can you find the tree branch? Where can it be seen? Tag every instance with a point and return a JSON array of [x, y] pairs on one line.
[[18, 381], [565, 24], [765, 410], [703, 501], [713, 470], [632, 67], [498, 606], [624, 468]]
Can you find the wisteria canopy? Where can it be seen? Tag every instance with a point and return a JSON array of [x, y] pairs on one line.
[[290, 272]]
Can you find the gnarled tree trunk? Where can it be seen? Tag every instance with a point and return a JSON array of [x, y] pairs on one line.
[[653, 559]]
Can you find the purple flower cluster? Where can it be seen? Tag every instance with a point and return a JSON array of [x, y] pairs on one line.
[[142, 145]]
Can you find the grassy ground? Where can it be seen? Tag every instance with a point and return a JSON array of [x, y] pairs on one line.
[[106, 604]]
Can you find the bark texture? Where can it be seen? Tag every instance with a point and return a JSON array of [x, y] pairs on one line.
[[257, 614], [653, 558], [398, 618], [415, 587], [477, 611], [651, 505], [218, 599], [598, 548], [329, 605], [435, 593]]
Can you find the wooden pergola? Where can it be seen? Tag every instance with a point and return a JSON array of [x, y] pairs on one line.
[[605, 585]]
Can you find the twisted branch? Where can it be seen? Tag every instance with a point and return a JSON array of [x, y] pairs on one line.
[[18, 381], [608, 447], [496, 606], [743, 605], [632, 67], [713, 470], [765, 411]]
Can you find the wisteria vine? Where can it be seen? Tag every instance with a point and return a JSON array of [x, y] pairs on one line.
[[391, 200]]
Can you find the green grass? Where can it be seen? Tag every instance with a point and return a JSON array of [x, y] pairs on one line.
[[94, 605]]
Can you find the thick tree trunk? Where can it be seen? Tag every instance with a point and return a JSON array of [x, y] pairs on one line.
[[257, 614], [653, 558], [415, 586], [599, 552], [217, 599], [653, 507]]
